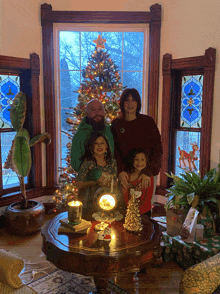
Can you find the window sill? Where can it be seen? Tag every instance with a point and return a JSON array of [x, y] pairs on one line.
[[31, 194]]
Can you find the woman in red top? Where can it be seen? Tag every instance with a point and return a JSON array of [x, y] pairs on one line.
[[135, 130], [136, 165]]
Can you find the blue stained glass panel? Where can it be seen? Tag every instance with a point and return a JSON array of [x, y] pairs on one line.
[[9, 87], [191, 101], [187, 154]]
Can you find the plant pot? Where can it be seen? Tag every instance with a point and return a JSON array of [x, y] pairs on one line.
[[25, 221]]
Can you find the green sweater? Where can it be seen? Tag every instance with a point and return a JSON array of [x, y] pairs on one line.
[[81, 138]]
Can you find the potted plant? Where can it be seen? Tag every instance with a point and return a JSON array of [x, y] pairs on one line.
[[25, 216], [191, 189], [202, 193]]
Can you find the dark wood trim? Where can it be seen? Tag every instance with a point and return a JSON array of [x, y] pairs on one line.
[[188, 63], [165, 126], [49, 102], [207, 109], [49, 17], [207, 63], [36, 121], [32, 193], [93, 16], [9, 62], [154, 61]]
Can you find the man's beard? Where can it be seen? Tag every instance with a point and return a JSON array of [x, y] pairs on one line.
[[97, 126]]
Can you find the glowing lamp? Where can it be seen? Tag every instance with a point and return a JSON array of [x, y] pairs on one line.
[[107, 202]]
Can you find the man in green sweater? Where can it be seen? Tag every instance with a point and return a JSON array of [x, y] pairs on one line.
[[93, 122]]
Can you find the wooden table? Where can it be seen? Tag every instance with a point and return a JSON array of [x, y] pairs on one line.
[[86, 255]]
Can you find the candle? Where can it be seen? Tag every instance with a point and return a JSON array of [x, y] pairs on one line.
[[75, 212]]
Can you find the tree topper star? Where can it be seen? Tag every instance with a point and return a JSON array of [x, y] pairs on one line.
[[100, 42]]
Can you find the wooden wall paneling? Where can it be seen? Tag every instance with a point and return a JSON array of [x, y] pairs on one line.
[[48, 17]]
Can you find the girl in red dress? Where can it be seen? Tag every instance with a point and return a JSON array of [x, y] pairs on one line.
[[136, 165]]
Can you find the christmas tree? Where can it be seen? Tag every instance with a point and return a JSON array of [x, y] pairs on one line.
[[133, 216], [101, 80]]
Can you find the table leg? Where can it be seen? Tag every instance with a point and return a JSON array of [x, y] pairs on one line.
[[101, 285]]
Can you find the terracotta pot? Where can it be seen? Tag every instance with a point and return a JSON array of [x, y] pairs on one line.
[[25, 221]]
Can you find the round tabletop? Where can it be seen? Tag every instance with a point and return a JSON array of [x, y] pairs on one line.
[[85, 254]]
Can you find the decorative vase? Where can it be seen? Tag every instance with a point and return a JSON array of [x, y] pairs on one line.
[[25, 221]]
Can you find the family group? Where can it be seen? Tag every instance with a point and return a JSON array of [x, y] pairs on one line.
[[129, 151]]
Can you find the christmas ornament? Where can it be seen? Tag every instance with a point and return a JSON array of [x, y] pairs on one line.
[[100, 42], [133, 216]]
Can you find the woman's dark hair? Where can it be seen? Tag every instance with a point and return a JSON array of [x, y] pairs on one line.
[[130, 159], [135, 95], [90, 147]]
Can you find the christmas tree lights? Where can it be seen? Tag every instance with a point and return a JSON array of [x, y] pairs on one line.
[[101, 80]]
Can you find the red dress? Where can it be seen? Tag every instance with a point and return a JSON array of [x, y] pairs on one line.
[[145, 199]]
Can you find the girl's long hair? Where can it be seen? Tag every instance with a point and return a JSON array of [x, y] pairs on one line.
[[129, 168], [89, 148]]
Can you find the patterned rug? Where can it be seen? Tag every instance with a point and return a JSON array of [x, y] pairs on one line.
[[61, 282]]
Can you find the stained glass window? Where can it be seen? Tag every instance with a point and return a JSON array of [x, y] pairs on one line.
[[191, 101], [187, 151], [9, 87], [187, 132]]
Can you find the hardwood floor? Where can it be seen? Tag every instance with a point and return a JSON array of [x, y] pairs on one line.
[[164, 280]]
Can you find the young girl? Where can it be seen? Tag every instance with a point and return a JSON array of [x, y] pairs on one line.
[[95, 170], [136, 165]]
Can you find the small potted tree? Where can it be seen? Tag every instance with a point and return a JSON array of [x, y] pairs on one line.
[[26, 216]]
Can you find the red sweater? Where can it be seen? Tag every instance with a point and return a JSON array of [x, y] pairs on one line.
[[141, 132]]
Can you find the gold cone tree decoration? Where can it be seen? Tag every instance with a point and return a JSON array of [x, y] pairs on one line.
[[133, 216]]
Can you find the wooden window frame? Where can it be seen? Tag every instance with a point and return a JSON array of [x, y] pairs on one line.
[[29, 70], [49, 17], [205, 63]]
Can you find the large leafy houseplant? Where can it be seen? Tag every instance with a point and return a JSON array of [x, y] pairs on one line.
[[19, 158], [189, 188]]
